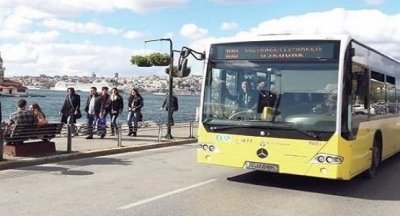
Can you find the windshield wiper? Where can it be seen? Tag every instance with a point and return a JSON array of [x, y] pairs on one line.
[[290, 127], [305, 132], [226, 127]]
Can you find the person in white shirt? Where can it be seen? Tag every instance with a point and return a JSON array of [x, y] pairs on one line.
[[93, 110]]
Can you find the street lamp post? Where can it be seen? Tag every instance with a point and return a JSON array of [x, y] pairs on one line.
[[169, 134]]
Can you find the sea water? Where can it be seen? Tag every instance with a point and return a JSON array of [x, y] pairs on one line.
[[53, 100]]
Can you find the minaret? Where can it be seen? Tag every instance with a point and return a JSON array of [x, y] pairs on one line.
[[2, 69]]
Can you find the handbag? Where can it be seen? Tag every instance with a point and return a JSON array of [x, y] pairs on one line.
[[79, 114]]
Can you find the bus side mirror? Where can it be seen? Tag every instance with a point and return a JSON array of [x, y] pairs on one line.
[[183, 70], [185, 53]]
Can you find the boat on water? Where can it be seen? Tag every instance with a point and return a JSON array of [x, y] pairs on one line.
[[34, 87], [159, 93], [78, 86]]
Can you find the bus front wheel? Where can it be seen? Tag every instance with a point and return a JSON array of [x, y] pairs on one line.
[[376, 158]]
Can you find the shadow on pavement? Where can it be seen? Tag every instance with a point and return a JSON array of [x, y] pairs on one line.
[[97, 161], [76, 172], [62, 170], [76, 164], [385, 186]]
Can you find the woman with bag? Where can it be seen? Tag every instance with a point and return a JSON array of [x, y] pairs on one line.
[[70, 110], [135, 104]]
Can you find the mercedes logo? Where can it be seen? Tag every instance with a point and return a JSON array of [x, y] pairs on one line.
[[262, 153]]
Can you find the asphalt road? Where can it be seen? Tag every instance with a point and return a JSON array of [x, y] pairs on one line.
[[168, 181]]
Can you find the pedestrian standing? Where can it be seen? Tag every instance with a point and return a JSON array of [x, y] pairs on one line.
[[116, 105], [135, 104], [93, 109], [174, 107], [70, 110], [105, 106]]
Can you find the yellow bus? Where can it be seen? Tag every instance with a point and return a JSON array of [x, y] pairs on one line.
[[320, 106]]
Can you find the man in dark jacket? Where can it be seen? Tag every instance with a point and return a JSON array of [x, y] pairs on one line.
[[93, 109], [71, 106], [174, 107]]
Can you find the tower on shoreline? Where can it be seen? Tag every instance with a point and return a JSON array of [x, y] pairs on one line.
[[2, 69]]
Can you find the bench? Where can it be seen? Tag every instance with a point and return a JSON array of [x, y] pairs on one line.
[[16, 137]]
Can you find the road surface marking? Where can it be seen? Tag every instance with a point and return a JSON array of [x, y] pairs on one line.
[[166, 194]]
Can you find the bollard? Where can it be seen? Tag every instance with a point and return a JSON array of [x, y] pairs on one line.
[[191, 128], [1, 141], [69, 138], [119, 132], [1, 134], [197, 113], [160, 125]]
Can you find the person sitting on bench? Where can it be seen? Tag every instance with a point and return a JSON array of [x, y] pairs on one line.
[[22, 116], [39, 115]]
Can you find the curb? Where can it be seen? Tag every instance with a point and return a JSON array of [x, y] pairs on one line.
[[87, 154]]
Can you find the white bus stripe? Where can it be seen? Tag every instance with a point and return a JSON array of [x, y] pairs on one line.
[[166, 194]]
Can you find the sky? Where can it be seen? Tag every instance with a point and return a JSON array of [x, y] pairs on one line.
[[81, 37]]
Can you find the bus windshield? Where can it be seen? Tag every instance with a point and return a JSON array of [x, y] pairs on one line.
[[261, 93]]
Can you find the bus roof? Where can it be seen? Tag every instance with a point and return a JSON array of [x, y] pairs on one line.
[[277, 37]]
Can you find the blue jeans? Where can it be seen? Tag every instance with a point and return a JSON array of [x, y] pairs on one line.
[[114, 117], [133, 117], [91, 120]]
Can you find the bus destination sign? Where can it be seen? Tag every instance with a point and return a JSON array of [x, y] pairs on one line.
[[275, 50]]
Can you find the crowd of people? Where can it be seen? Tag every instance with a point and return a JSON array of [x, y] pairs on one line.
[[97, 108]]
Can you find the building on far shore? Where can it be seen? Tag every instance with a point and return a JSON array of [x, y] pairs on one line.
[[10, 87]]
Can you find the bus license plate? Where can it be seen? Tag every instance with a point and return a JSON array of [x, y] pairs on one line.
[[262, 166]]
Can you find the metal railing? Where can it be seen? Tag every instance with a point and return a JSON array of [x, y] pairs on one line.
[[70, 130]]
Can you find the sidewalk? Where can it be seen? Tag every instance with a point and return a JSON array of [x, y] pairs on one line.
[[81, 148]]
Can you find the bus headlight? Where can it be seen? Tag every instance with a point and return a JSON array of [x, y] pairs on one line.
[[211, 148], [321, 159], [327, 159], [207, 147]]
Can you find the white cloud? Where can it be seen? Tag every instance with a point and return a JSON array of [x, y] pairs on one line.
[[142, 6], [71, 59], [37, 37], [238, 1], [169, 35], [377, 29], [74, 7], [374, 2], [21, 17], [16, 22], [9, 33], [134, 35], [86, 28], [192, 31], [372, 27], [41, 37], [229, 26], [366, 25]]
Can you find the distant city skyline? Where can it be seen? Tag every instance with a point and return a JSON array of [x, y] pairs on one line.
[[81, 37]]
